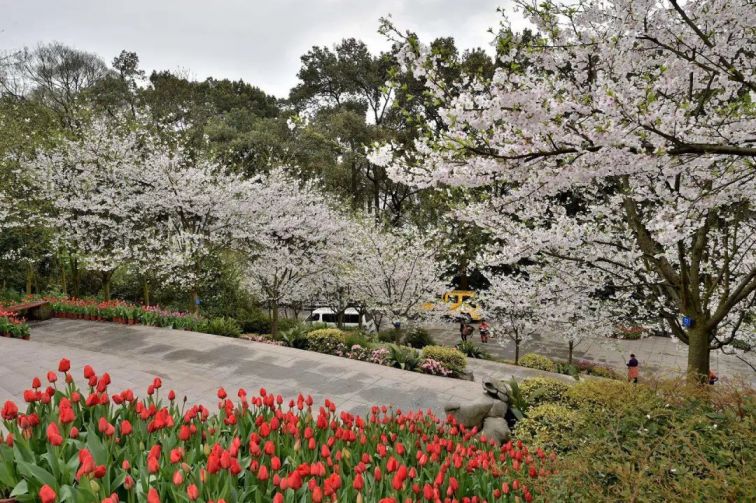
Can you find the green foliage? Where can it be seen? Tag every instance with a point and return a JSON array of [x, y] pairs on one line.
[[740, 344], [326, 340], [534, 361], [551, 426], [471, 350], [227, 327], [670, 443], [418, 338], [538, 390], [352, 337], [451, 358], [567, 369], [295, 337], [256, 322], [403, 357], [611, 395], [392, 336]]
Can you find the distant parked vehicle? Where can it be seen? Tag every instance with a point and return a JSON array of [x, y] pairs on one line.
[[459, 304], [350, 318]]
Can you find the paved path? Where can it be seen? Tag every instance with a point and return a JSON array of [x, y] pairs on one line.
[[658, 355], [195, 365]]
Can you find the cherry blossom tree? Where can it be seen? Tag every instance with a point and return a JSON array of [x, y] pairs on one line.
[[195, 209], [625, 145], [394, 272], [292, 237], [89, 184]]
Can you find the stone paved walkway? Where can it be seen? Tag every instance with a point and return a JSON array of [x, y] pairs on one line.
[[658, 355], [195, 365]]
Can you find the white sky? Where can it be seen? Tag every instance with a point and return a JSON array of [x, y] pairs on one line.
[[258, 41]]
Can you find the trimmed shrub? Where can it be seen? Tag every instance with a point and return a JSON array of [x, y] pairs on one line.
[[535, 361], [327, 340], [550, 426], [538, 390], [418, 338], [451, 358], [595, 395]]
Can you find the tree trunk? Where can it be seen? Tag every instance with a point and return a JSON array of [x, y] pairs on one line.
[[195, 301], [29, 278], [106, 277], [517, 352], [146, 292], [698, 355], [75, 277], [63, 283], [572, 346], [274, 320]]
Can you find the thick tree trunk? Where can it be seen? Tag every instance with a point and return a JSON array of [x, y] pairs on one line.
[[29, 278], [274, 320], [698, 355]]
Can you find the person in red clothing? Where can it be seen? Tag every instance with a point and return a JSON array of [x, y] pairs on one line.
[[632, 369], [485, 330]]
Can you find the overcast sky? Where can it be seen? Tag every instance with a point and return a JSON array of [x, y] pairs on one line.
[[258, 41]]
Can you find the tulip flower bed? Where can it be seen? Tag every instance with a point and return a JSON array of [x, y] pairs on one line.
[[95, 445], [13, 326], [119, 311]]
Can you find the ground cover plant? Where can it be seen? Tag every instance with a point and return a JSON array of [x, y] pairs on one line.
[[94, 444], [661, 442]]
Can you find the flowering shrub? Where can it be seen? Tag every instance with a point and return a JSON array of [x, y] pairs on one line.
[[95, 445], [13, 326], [451, 358], [434, 367], [327, 340]]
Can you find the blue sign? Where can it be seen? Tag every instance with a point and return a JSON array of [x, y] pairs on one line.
[[687, 322]]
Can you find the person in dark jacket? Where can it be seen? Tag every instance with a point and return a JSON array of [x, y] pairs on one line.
[[632, 369]]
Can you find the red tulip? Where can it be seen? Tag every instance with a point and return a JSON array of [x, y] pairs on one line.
[[171, 395], [53, 434], [222, 394], [126, 428], [88, 371], [262, 474], [193, 492], [177, 455], [152, 496], [47, 495], [64, 365], [278, 498], [36, 383], [99, 471], [358, 483], [51, 376], [74, 433]]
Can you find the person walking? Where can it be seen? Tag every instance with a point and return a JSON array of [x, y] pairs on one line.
[[632, 369], [463, 330], [485, 330]]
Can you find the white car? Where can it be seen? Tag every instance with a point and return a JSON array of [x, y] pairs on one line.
[[350, 319]]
